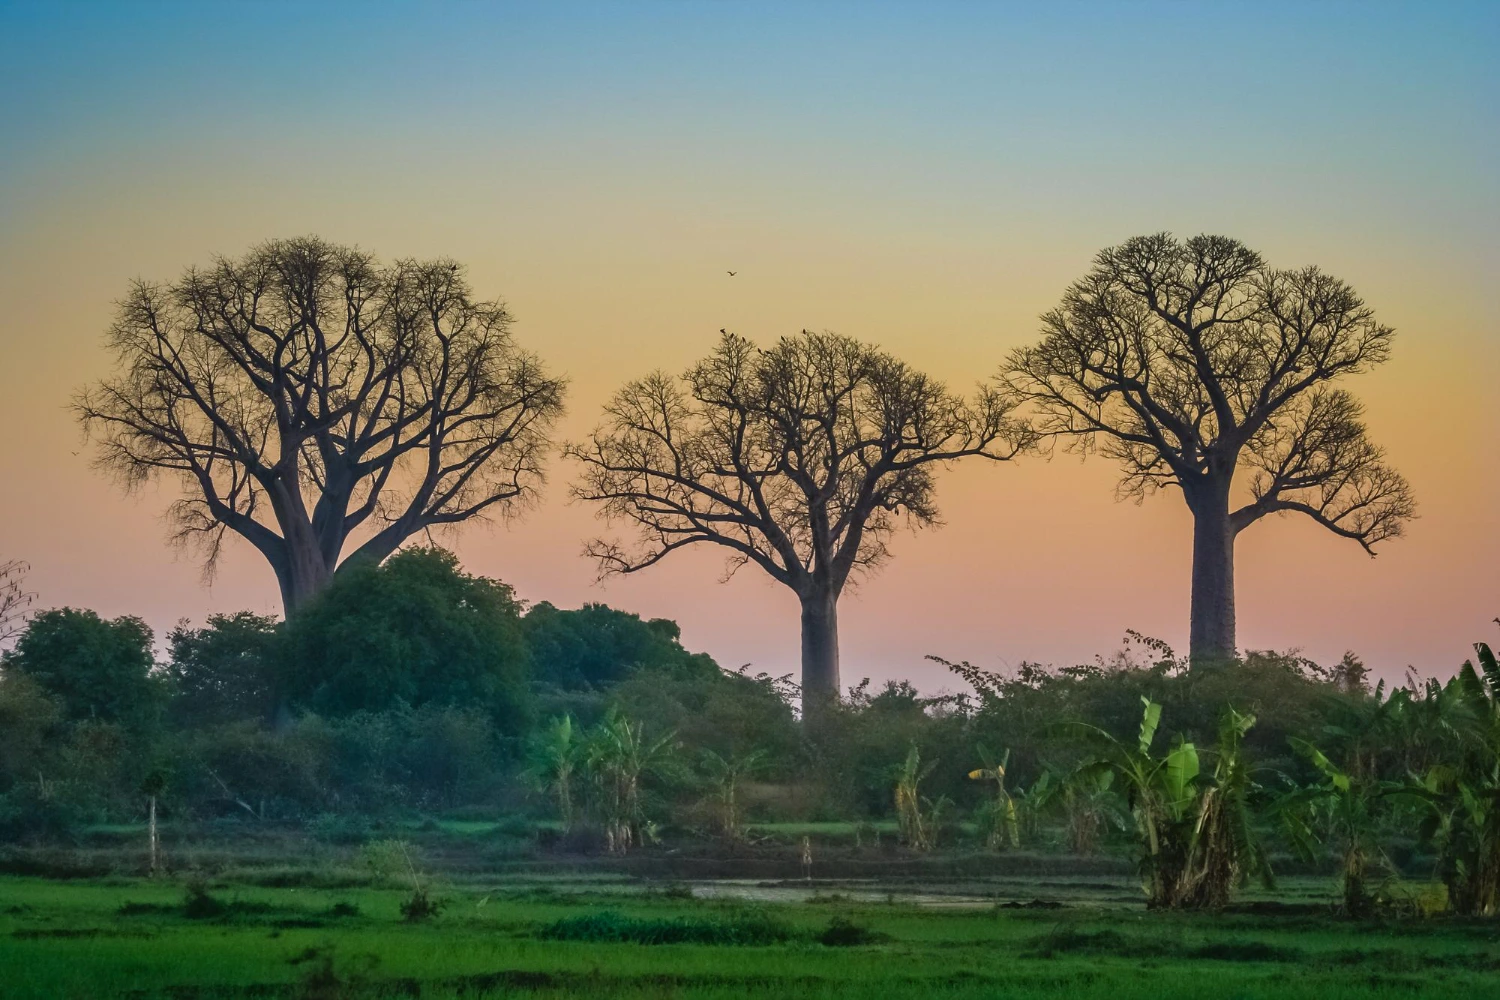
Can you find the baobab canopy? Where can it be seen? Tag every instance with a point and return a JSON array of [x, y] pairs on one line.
[[309, 398], [1187, 360]]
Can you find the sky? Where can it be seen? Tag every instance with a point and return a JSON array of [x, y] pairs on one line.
[[927, 177]]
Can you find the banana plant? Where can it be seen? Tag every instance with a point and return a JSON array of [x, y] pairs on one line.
[[1355, 798], [1349, 806], [1464, 795], [725, 775], [553, 757], [1226, 851], [617, 756], [1089, 808], [1161, 793], [998, 821], [917, 830]]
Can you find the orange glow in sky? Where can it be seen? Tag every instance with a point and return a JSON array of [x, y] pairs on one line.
[[929, 180]]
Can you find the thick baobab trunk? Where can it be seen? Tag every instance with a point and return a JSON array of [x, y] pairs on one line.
[[1211, 635], [820, 648], [307, 573]]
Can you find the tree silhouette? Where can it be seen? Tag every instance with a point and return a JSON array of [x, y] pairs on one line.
[[305, 395], [801, 459], [1186, 361], [14, 599]]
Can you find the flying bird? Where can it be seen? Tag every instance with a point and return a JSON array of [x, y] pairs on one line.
[[732, 273]]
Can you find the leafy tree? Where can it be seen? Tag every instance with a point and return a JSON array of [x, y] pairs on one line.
[[412, 631], [96, 668], [29, 718], [305, 394], [1188, 361], [801, 458], [596, 646], [225, 670], [729, 713]]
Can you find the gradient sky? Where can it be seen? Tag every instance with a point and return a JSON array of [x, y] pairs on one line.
[[927, 177]]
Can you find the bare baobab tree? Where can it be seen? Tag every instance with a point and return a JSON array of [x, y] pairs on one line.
[[1187, 361], [14, 599], [310, 399], [801, 459]]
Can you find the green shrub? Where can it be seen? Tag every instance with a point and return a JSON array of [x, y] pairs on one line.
[[608, 925], [419, 906], [843, 933]]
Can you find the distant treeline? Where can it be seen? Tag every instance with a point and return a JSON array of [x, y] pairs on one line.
[[411, 687]]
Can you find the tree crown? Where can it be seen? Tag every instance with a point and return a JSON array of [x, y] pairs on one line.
[[1181, 359], [305, 392], [801, 458]]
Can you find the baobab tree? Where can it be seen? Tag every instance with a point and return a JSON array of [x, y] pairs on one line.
[[801, 459], [1188, 361], [310, 399]]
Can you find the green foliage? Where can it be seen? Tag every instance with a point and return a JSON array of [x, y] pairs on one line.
[[412, 631], [1350, 805], [30, 719], [420, 906], [612, 926], [96, 668], [1196, 839], [617, 755], [553, 758], [725, 776], [919, 818], [729, 713], [999, 822], [1463, 790], [387, 860], [1226, 847], [223, 671], [598, 646], [842, 932], [433, 757]]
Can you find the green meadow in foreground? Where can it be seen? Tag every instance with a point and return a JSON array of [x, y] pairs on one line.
[[136, 938]]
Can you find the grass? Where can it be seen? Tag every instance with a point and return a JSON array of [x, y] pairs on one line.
[[135, 938], [611, 926]]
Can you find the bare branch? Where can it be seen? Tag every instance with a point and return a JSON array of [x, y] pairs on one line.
[[14, 599], [1314, 458], [802, 458], [305, 393], [1183, 360]]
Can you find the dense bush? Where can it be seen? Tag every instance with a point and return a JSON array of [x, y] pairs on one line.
[[412, 631], [597, 646], [412, 688], [95, 668], [727, 929], [223, 671]]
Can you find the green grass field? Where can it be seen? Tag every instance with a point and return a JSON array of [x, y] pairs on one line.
[[128, 937]]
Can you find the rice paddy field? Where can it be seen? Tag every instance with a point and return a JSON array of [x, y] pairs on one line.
[[560, 931]]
